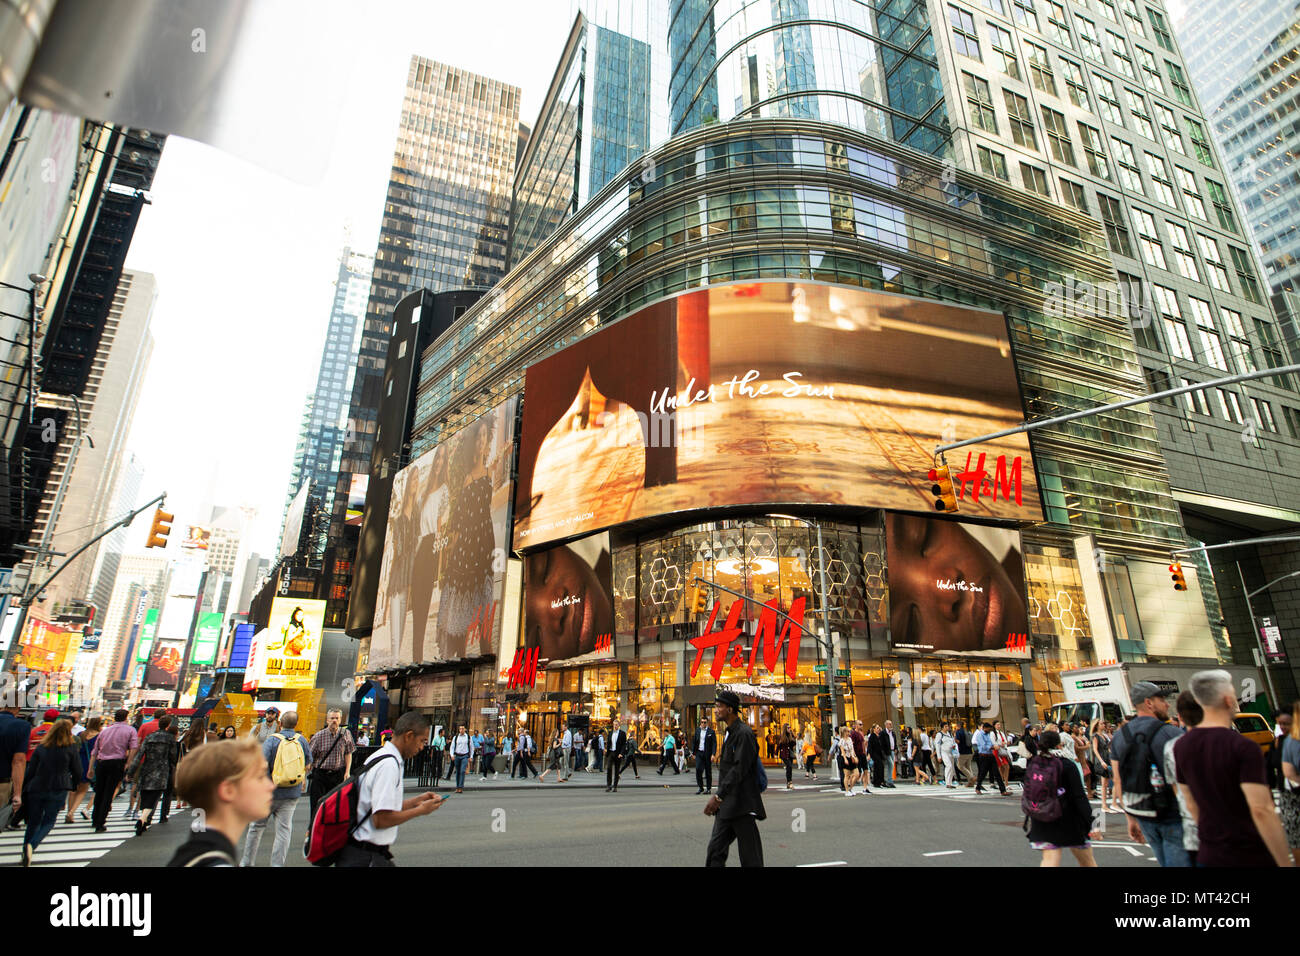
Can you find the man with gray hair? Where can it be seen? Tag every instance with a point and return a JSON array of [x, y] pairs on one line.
[[1137, 758], [1224, 782]]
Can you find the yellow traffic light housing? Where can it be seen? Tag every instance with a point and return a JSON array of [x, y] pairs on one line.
[[1180, 582], [699, 600], [160, 529], [945, 497]]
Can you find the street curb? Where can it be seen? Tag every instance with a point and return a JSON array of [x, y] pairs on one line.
[[597, 782]]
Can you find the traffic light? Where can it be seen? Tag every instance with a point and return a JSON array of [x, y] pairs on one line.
[[824, 703], [945, 498], [699, 600], [1180, 582], [162, 526]]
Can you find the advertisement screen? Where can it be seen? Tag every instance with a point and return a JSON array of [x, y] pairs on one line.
[[240, 646], [164, 668], [443, 569], [955, 587], [197, 539], [772, 393], [357, 498], [147, 632], [569, 602], [49, 648], [291, 651], [207, 639]]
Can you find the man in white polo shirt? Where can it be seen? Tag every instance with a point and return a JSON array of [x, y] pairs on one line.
[[380, 805]]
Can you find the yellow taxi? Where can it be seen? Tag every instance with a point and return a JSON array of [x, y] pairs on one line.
[[1256, 728]]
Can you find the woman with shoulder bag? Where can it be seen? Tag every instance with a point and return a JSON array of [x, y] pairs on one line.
[[786, 750], [86, 743], [1083, 751], [1100, 754], [55, 768], [848, 759]]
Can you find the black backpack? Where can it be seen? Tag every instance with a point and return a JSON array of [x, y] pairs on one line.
[[1146, 791]]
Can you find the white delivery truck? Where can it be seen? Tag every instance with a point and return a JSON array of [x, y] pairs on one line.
[[1092, 692]]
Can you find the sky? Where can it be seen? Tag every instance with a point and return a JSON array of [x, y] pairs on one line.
[[246, 257]]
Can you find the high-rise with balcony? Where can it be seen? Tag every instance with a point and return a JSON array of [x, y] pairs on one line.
[[444, 227]]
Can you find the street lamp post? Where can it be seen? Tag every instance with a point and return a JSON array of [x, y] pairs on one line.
[[1259, 642]]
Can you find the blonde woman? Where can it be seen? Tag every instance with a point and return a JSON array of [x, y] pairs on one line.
[[1100, 747], [848, 761]]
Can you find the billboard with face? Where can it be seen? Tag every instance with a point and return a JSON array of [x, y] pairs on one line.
[[164, 668], [771, 393], [443, 569], [955, 587], [569, 602]]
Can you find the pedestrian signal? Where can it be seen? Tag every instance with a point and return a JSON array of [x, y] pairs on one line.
[[824, 703]]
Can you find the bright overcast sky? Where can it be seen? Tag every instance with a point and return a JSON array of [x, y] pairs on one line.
[[245, 259]]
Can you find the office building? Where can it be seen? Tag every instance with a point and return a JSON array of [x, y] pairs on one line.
[[444, 227]]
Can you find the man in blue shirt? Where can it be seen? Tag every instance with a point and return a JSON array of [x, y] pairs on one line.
[[476, 749], [284, 800], [986, 758], [14, 732]]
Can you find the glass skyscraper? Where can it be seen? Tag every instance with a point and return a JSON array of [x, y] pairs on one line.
[[320, 440], [444, 227]]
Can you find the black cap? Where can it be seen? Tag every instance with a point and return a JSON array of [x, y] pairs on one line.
[[729, 698]]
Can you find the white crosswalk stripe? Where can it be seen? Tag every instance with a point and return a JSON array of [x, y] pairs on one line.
[[70, 844]]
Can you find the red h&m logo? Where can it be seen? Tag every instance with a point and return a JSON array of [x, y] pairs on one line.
[[1017, 642], [481, 628], [1005, 483], [767, 637], [604, 643], [523, 672]]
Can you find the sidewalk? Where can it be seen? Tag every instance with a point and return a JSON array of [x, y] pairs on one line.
[[579, 780]]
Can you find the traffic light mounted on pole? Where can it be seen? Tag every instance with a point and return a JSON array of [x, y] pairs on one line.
[[699, 600], [945, 498], [160, 529], [1180, 582]]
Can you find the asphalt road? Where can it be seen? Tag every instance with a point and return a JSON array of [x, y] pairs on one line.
[[653, 825]]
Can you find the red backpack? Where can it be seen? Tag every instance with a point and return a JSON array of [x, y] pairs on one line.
[[336, 818]]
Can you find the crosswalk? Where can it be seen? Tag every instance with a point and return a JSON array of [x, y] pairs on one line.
[[69, 844]]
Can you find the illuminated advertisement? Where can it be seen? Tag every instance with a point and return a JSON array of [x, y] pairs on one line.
[[357, 498], [289, 649], [164, 669], [49, 648], [443, 569], [955, 587], [147, 632], [569, 602], [771, 393], [207, 639], [197, 539]]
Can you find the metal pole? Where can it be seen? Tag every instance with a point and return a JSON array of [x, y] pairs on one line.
[[1259, 642], [1293, 574], [826, 625], [1233, 544], [1168, 393]]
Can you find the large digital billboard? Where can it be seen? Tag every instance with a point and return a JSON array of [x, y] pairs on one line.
[[207, 638], [771, 393], [49, 648], [444, 563], [164, 668], [289, 649], [955, 587], [148, 630]]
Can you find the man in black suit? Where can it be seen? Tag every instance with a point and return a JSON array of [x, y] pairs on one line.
[[706, 745], [879, 750], [738, 805], [615, 745]]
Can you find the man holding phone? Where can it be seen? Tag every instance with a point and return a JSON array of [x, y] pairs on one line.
[[380, 804]]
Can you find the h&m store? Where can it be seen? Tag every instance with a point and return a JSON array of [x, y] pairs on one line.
[[680, 489]]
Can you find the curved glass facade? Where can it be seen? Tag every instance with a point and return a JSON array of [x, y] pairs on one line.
[[806, 200], [868, 66]]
